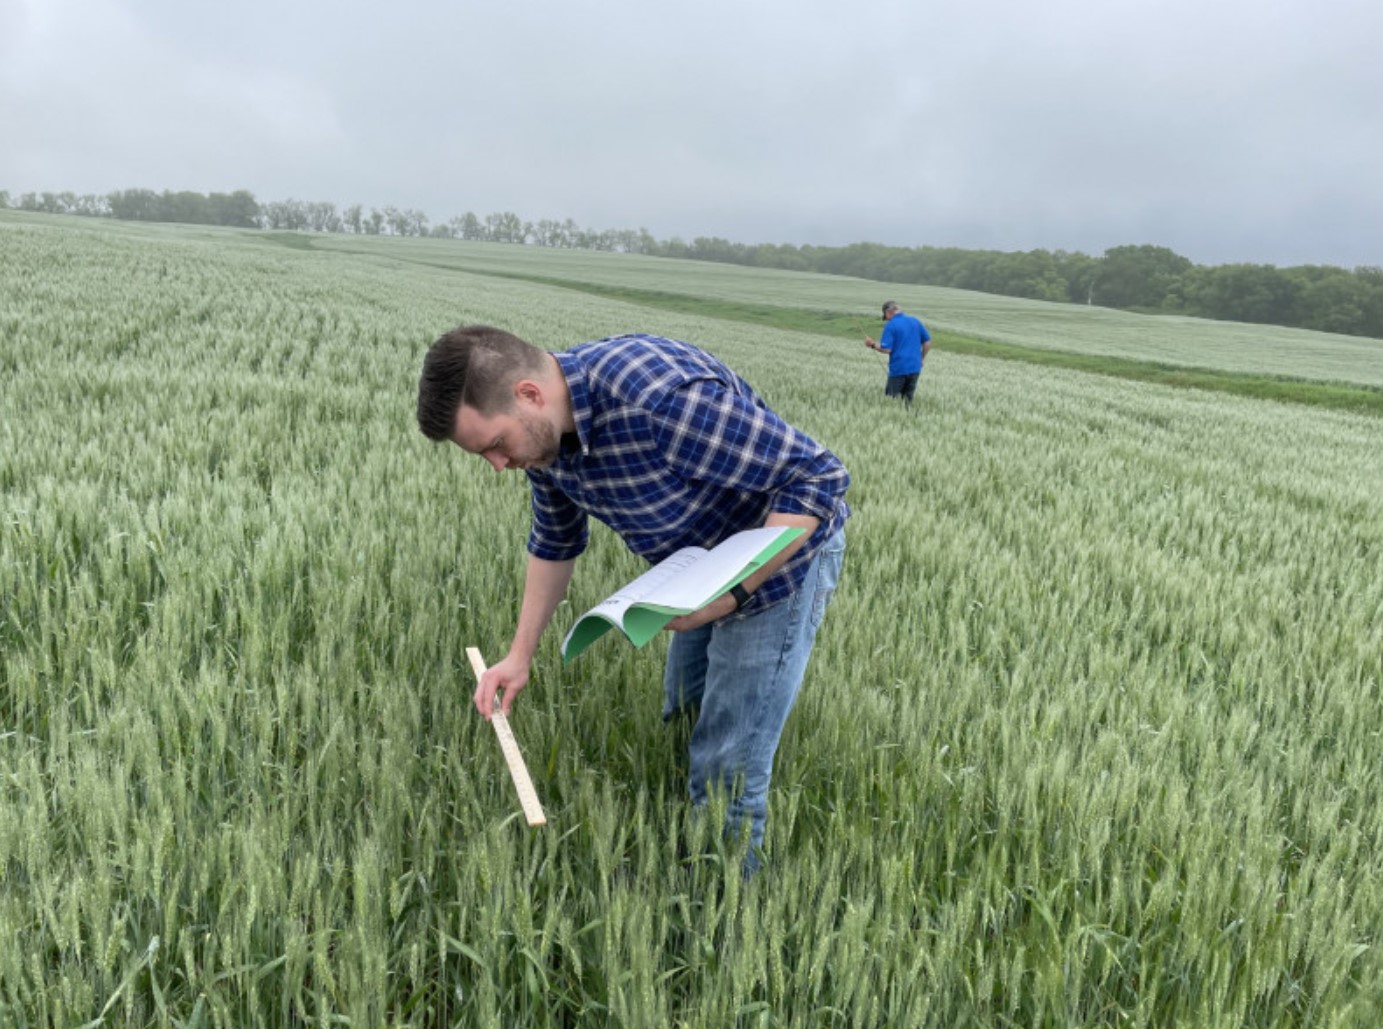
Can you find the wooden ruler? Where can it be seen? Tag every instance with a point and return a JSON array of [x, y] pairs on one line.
[[518, 771]]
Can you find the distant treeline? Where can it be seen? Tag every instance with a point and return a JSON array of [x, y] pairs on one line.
[[1135, 278]]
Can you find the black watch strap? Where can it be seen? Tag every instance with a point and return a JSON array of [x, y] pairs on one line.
[[740, 594]]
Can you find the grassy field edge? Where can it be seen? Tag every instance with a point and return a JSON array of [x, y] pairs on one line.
[[1335, 396]]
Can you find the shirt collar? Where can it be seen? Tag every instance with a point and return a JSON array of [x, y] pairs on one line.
[[574, 371]]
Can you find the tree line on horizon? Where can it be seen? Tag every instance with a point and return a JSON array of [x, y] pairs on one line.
[[1143, 278]]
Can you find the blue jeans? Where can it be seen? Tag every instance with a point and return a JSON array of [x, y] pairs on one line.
[[744, 674]]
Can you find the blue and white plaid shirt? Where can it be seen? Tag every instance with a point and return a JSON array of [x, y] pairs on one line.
[[673, 449]]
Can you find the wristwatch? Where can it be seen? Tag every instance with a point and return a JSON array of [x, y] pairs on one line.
[[740, 594]]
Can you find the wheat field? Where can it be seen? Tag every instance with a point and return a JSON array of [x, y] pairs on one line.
[[1091, 736]]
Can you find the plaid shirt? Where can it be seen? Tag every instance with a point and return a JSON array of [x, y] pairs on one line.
[[672, 449]]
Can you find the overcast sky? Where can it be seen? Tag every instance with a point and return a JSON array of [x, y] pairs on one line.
[[1228, 130]]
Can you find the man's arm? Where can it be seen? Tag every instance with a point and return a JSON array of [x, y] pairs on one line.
[[544, 586], [804, 480], [885, 344], [886, 339], [710, 433], [726, 604]]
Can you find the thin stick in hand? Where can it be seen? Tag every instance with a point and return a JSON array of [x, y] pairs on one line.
[[518, 771]]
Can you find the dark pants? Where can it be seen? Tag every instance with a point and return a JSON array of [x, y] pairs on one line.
[[902, 386]]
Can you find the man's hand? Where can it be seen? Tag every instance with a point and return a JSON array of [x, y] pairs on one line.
[[869, 342], [718, 608], [510, 675], [545, 583]]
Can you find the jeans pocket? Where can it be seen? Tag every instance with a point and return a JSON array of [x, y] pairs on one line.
[[827, 575]]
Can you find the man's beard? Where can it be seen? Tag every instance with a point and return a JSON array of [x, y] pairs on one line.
[[545, 441]]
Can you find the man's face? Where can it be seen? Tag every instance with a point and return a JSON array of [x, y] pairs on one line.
[[519, 438]]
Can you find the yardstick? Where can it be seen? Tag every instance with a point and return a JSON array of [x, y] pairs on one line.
[[518, 771]]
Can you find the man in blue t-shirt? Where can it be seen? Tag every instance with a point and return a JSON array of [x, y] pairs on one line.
[[906, 341]]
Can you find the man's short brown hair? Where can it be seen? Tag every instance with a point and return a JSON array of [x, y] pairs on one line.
[[475, 366]]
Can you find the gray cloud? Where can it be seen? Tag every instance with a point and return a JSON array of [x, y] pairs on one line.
[[1230, 132]]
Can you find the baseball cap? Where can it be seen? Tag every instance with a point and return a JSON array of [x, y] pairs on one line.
[[889, 305]]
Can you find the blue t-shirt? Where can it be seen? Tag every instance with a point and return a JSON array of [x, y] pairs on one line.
[[903, 337]]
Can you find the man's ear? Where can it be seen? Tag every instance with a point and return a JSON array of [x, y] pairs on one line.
[[528, 391]]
